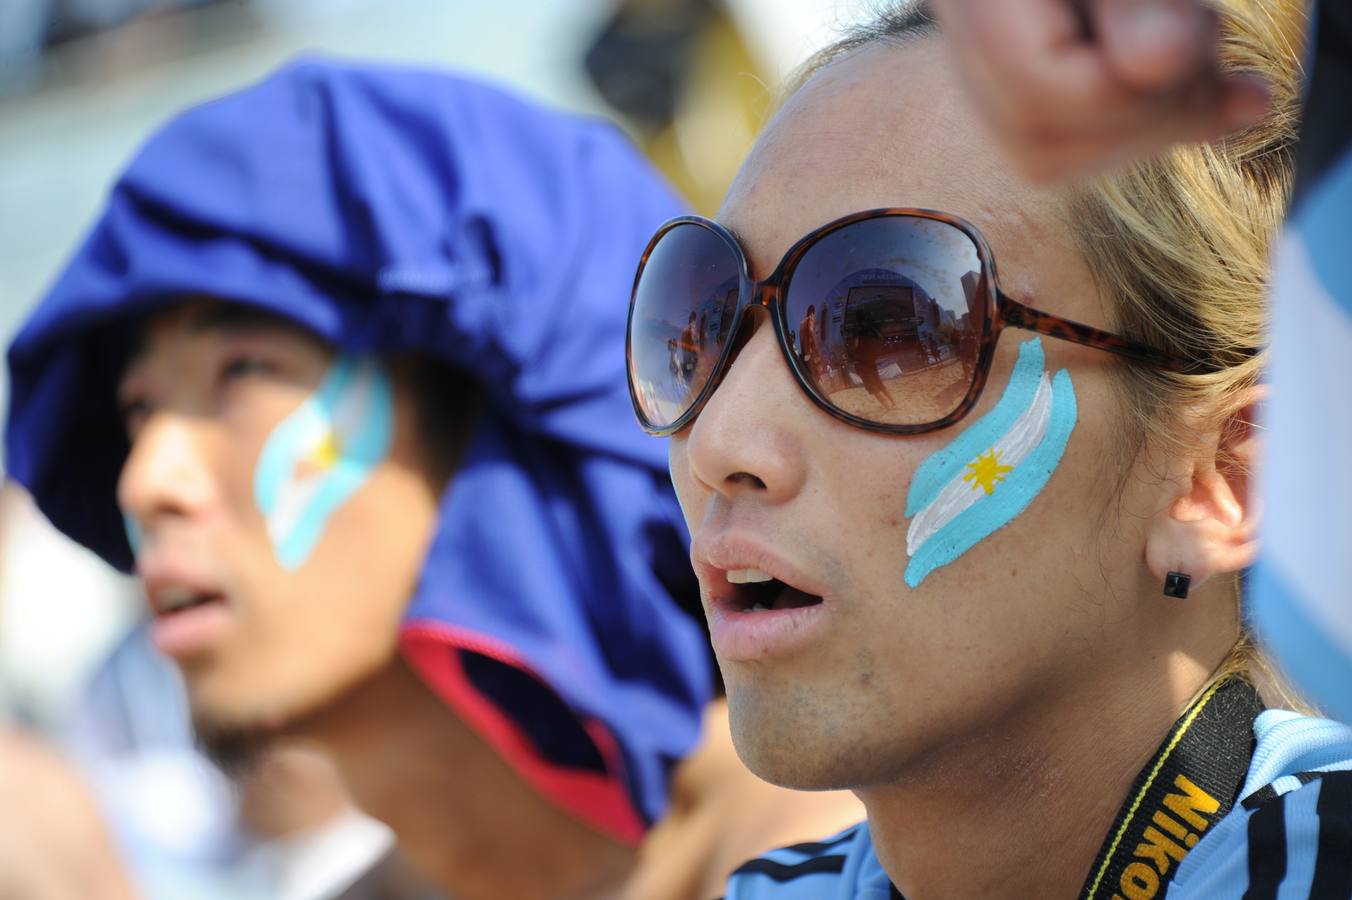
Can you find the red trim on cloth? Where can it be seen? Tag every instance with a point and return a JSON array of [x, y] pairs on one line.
[[600, 801]]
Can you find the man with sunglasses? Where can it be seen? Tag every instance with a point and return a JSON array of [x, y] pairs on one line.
[[994, 606]]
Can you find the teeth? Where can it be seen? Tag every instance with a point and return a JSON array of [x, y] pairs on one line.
[[747, 576], [172, 599], [758, 607]]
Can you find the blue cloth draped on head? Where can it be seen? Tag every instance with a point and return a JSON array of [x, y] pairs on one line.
[[389, 209]]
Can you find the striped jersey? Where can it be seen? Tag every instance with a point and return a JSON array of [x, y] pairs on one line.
[[1289, 838], [1301, 589]]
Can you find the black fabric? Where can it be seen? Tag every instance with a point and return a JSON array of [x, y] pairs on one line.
[[1190, 783], [786, 872], [1326, 130], [814, 847], [1267, 792], [555, 732], [1267, 850], [1333, 865]]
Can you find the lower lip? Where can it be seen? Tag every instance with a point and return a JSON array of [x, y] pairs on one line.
[[190, 631], [742, 636]]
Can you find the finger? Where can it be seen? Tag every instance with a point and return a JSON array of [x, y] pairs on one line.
[[1017, 50], [1246, 98], [1198, 116], [1051, 97], [1031, 68], [1156, 45]]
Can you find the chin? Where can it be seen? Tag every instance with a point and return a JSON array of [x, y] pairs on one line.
[[234, 746], [791, 737], [233, 730], [785, 749]]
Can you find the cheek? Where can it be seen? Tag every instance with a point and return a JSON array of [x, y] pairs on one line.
[[993, 470], [320, 455]]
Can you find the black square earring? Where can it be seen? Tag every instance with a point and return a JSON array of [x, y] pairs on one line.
[[1176, 585]]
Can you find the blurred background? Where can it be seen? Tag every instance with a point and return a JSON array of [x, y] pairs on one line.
[[82, 84]]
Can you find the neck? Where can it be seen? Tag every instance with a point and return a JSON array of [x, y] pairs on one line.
[[461, 814], [1021, 809]]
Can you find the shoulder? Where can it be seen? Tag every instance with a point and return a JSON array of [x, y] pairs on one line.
[[838, 867], [1292, 829]]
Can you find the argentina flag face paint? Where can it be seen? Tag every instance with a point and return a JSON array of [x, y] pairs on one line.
[[321, 454], [993, 470]]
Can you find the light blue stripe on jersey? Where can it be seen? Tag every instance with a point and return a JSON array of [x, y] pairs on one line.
[[1288, 743], [861, 877], [1218, 868], [1309, 656], [1301, 593], [1324, 221]]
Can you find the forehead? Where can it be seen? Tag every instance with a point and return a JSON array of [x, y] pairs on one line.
[[885, 125], [198, 319]]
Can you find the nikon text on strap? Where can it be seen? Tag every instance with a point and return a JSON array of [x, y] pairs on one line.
[[1191, 782]]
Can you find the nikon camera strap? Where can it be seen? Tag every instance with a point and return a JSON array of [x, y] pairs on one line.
[[1192, 781]]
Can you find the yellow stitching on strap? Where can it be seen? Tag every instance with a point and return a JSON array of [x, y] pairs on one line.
[[1140, 795]]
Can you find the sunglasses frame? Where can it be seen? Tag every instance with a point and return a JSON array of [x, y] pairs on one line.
[[770, 294]]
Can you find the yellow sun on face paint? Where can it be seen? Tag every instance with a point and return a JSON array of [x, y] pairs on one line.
[[323, 457], [327, 453], [985, 472]]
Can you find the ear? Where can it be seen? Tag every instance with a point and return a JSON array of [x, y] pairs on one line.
[[1211, 527]]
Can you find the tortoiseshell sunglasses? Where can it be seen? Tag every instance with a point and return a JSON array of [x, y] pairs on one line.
[[888, 319]]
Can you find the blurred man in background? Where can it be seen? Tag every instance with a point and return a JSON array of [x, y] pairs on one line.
[[339, 371]]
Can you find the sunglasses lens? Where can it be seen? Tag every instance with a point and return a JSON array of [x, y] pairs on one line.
[[885, 317], [680, 320]]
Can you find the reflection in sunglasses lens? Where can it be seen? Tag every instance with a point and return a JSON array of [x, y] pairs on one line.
[[885, 318], [682, 317]]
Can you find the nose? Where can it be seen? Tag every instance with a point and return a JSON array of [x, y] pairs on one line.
[[166, 474], [747, 440]]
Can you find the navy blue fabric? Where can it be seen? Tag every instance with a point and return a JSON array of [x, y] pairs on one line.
[[393, 209]]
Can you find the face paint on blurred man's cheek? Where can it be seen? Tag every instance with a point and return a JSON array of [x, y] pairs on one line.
[[991, 472], [321, 454], [135, 537]]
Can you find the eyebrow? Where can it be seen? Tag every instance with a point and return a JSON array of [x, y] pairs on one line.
[[216, 316]]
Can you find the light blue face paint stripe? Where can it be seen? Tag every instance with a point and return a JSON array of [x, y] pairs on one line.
[[361, 452], [279, 456], [338, 486], [989, 514], [134, 534], [360, 455], [939, 469]]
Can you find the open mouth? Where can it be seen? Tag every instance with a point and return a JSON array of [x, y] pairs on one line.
[[189, 619], [174, 601], [756, 591]]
